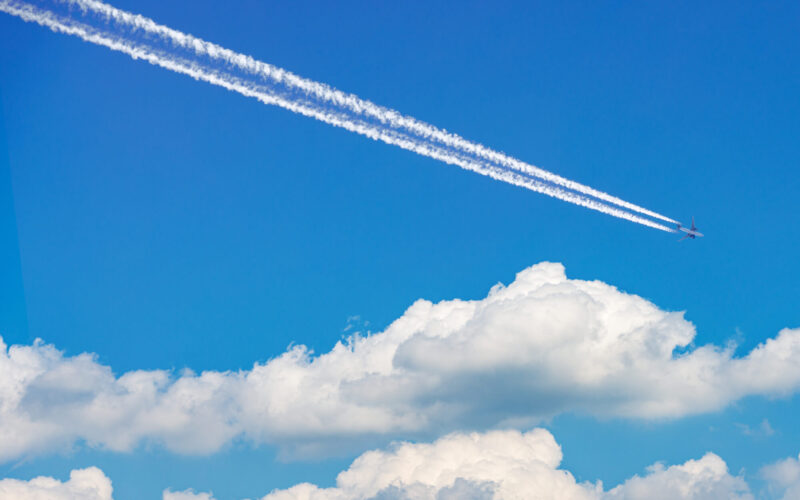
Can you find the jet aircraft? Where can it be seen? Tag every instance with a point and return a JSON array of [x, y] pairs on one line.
[[690, 233]]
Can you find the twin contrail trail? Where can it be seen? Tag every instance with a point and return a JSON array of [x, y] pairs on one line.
[[142, 38]]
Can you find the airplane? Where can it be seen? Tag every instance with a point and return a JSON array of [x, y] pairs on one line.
[[690, 233]]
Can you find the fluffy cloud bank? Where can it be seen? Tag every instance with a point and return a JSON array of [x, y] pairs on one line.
[[496, 465], [542, 345], [509, 465], [83, 484]]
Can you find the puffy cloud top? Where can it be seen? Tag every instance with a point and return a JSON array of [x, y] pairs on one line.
[[185, 495], [508, 465], [704, 479], [542, 345], [83, 484], [495, 465]]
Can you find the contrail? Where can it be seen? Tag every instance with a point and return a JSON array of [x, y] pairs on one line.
[[306, 97], [338, 98]]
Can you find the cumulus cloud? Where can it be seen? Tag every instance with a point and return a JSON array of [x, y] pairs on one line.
[[83, 484], [186, 495], [543, 345], [703, 479], [497, 464], [493, 465], [508, 465], [783, 478]]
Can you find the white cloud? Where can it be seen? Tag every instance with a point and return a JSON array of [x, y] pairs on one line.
[[703, 479], [186, 495], [494, 465], [83, 484], [508, 465], [543, 345], [783, 478], [763, 430], [505, 463]]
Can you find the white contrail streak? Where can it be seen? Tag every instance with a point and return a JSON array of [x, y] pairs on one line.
[[353, 103], [418, 137]]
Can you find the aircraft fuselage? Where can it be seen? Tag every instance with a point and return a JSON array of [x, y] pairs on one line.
[[690, 233]]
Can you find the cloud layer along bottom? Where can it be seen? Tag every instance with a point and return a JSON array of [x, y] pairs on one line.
[[543, 345], [83, 484], [496, 465]]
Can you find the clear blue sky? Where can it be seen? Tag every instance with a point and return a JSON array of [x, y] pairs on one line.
[[164, 223]]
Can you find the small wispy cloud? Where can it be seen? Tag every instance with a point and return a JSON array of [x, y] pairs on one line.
[[355, 324], [764, 429]]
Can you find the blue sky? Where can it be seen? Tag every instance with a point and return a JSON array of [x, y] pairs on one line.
[[163, 223]]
